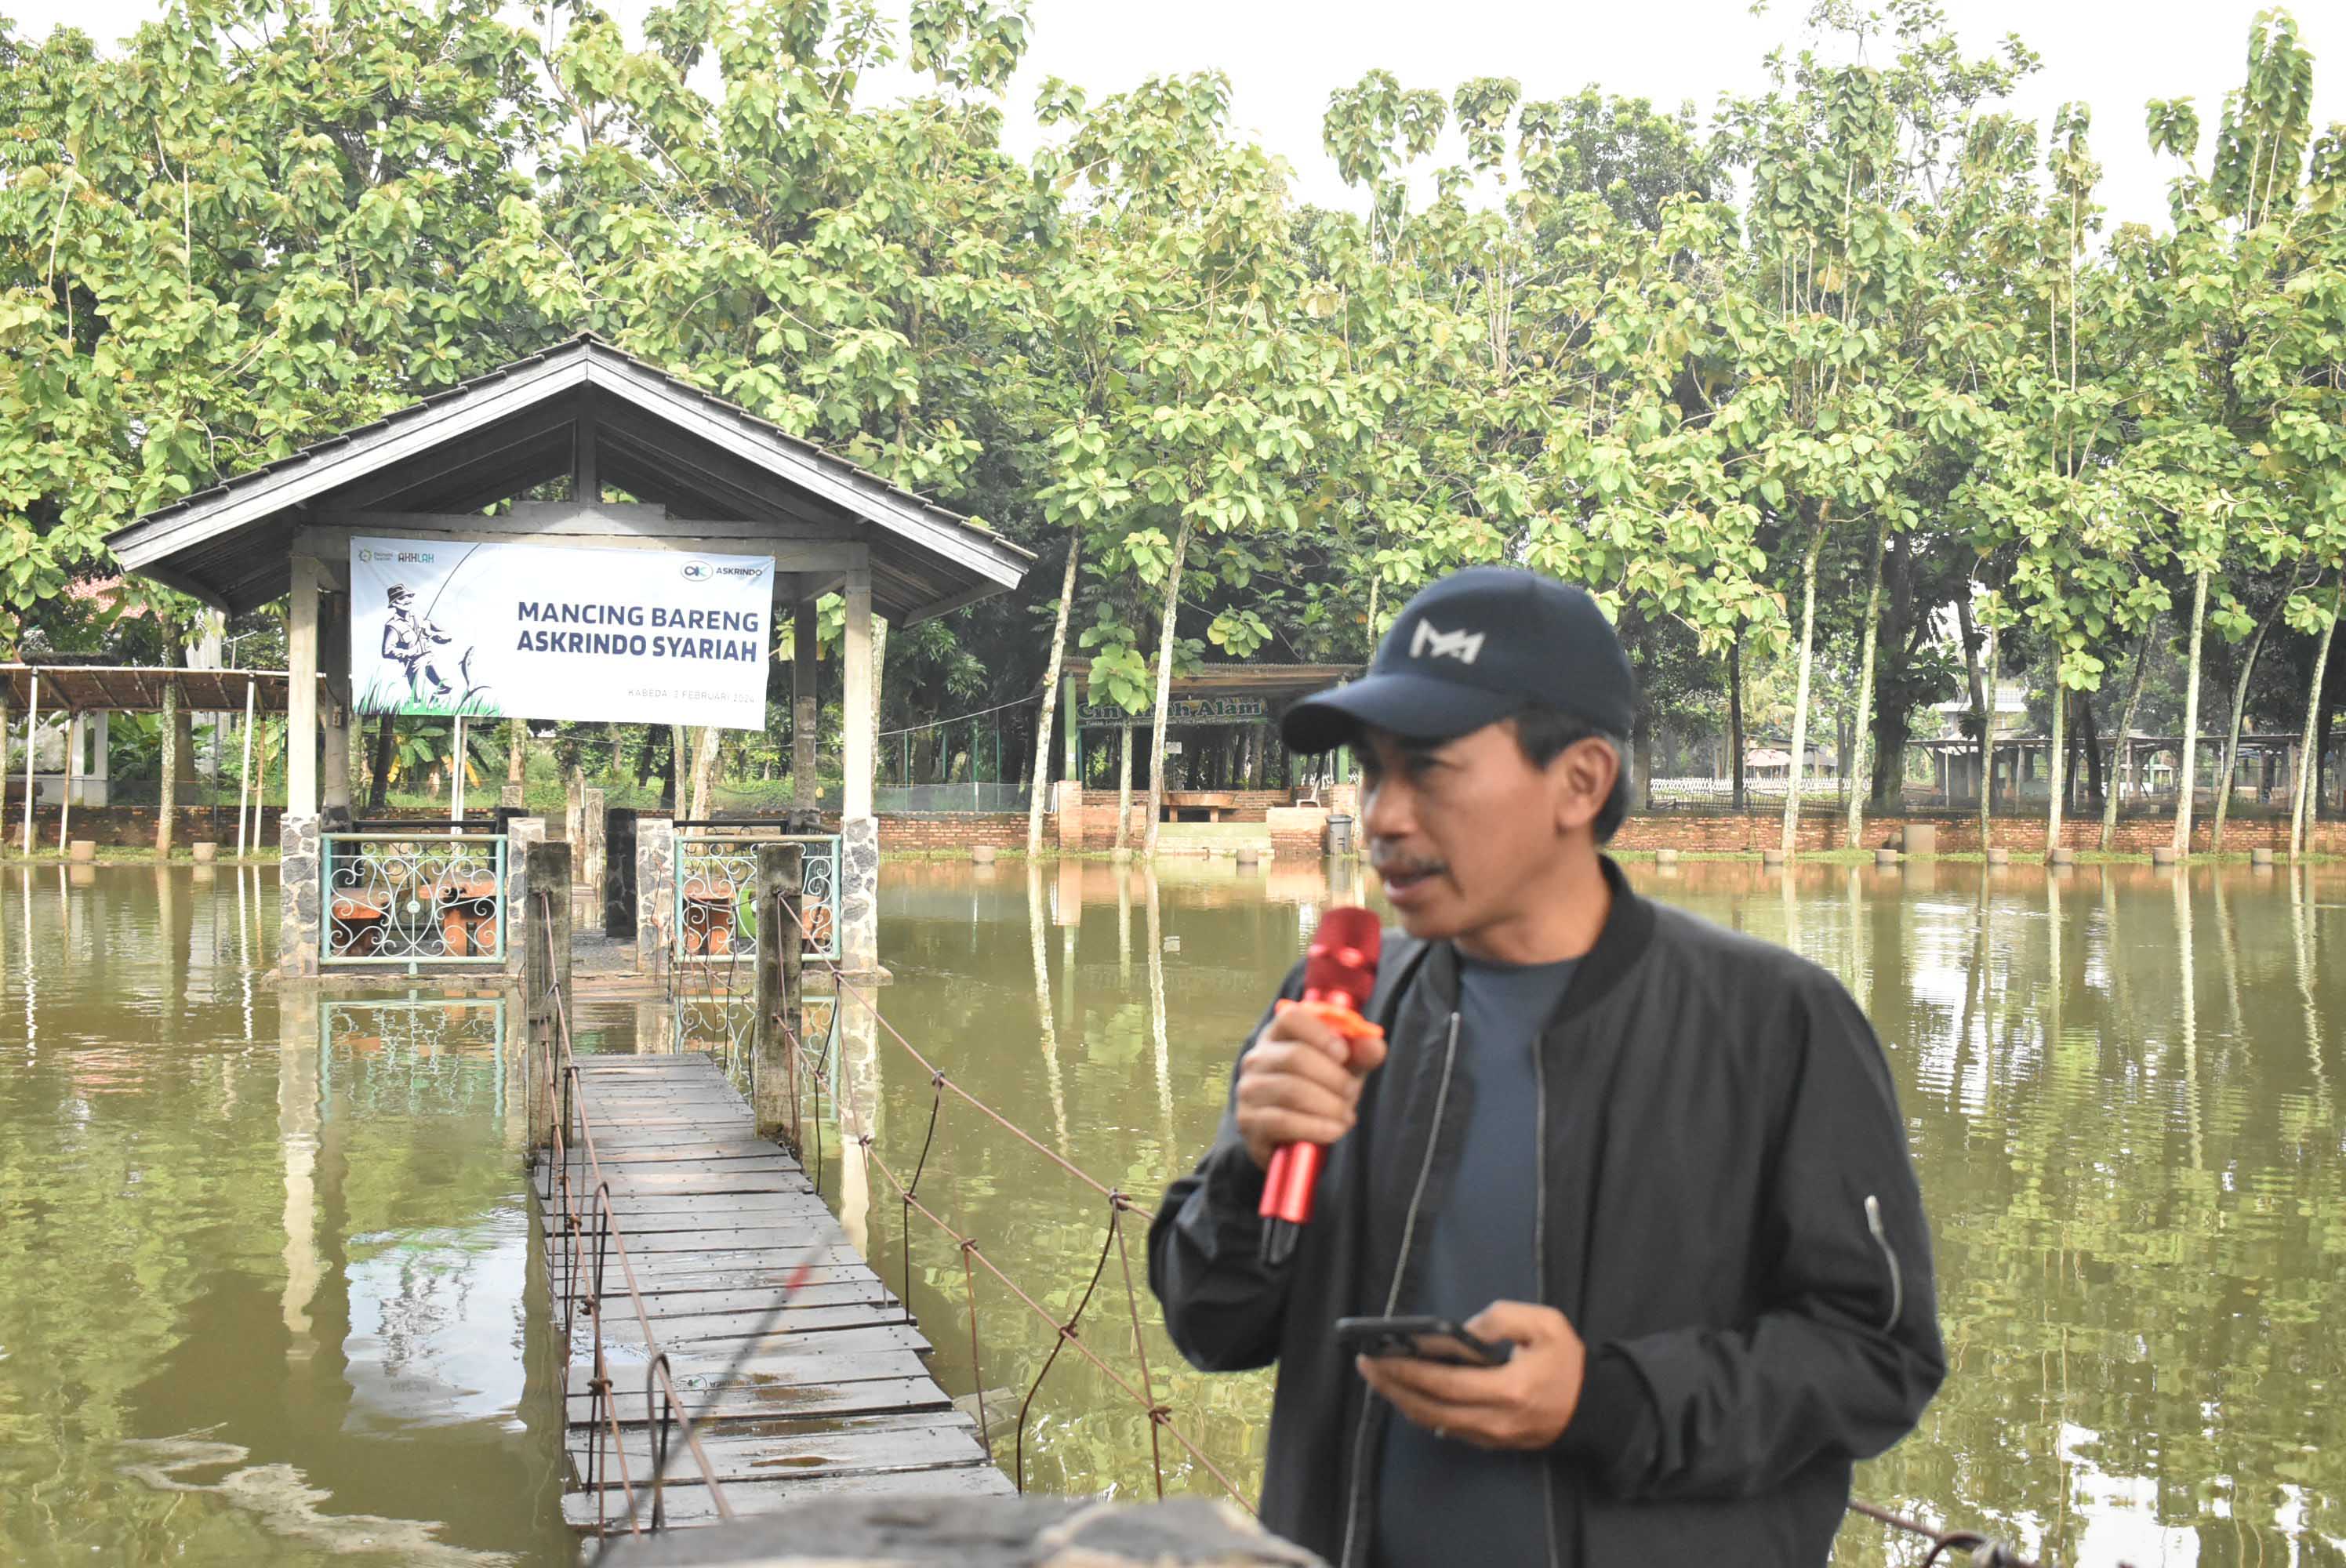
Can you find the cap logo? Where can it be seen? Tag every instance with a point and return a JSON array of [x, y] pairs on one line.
[[1464, 647]]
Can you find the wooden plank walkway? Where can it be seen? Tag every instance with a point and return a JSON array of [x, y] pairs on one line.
[[834, 1396]]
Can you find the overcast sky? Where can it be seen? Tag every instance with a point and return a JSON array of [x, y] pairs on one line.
[[1284, 57]]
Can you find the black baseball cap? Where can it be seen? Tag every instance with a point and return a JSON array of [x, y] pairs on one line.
[[1480, 644]]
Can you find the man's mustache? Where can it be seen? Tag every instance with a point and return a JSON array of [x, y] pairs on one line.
[[1385, 862]]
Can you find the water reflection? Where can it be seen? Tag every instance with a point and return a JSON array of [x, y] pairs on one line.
[[262, 1254], [2119, 1096]]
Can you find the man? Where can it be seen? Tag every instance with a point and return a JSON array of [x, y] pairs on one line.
[[1662, 1160], [412, 642]]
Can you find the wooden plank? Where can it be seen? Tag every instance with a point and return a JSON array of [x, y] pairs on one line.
[[778, 1249], [665, 1304], [891, 1443], [631, 1181], [802, 1208], [817, 1359], [745, 1270], [690, 1507], [781, 1401], [766, 1328]]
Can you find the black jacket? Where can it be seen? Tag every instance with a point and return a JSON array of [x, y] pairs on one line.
[[1726, 1214]]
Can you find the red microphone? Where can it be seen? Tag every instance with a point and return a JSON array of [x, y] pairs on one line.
[[1340, 971]]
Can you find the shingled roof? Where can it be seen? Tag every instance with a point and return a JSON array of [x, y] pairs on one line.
[[655, 435]]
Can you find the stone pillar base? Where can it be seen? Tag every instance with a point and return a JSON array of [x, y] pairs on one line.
[[655, 892], [300, 932], [520, 834], [858, 895]]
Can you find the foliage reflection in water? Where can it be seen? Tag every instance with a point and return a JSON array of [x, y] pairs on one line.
[[2121, 1089], [262, 1300], [263, 1255]]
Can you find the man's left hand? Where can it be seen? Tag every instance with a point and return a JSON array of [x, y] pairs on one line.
[[1523, 1404]]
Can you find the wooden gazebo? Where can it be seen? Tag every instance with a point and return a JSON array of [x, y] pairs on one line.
[[691, 474]]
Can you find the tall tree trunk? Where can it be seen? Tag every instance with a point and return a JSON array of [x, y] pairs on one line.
[[2232, 757], [1736, 744], [1051, 696], [1800, 688], [167, 817], [1123, 787], [2187, 772], [516, 752], [1982, 718], [2057, 762], [2301, 794], [673, 761], [704, 771], [1863, 721], [1164, 689], [2090, 734], [386, 744], [2126, 731]]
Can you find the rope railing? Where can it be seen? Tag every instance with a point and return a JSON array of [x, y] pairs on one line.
[[1983, 1551], [585, 1219], [1141, 1389]]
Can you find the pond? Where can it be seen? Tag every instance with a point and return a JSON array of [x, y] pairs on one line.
[[263, 1260]]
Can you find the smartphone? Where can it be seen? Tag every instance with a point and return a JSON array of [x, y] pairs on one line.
[[1422, 1338]]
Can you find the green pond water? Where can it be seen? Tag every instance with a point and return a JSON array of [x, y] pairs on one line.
[[265, 1275]]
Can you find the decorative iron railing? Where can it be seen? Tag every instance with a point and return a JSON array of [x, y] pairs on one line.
[[717, 893], [414, 899]]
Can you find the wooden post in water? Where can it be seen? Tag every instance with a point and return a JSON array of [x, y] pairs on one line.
[[774, 1063], [32, 748], [545, 965]]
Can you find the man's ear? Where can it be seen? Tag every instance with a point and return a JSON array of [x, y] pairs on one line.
[[1584, 772]]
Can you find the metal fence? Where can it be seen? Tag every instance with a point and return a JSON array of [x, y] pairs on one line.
[[941, 798], [717, 893], [413, 898]]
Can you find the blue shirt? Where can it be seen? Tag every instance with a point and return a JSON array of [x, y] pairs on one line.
[[1439, 1500]]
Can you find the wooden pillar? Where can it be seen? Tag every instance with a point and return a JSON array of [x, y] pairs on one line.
[[805, 706], [32, 750], [301, 698], [856, 740], [73, 768], [244, 775], [774, 1063], [545, 968], [334, 713]]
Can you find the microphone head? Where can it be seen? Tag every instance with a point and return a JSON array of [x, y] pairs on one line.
[[1343, 958]]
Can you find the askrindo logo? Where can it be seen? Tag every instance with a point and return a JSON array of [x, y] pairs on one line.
[[696, 571], [1464, 647]]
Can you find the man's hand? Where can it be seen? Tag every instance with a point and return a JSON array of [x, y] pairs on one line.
[[1300, 1083], [1525, 1404]]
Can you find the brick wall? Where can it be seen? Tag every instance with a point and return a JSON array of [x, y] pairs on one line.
[[956, 830], [1696, 832]]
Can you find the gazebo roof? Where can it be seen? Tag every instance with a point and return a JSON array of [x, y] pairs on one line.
[[139, 689], [652, 434]]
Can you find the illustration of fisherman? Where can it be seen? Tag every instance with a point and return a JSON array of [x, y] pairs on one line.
[[414, 643]]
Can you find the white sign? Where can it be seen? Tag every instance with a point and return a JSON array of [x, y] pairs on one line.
[[537, 631]]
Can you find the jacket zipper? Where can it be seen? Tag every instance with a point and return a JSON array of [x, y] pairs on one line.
[[1393, 1290], [1539, 1260]]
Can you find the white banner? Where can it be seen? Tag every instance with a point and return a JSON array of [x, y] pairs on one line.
[[538, 631]]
